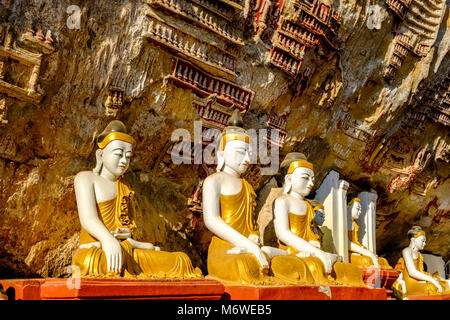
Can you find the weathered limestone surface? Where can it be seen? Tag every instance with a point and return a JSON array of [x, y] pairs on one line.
[[347, 116]]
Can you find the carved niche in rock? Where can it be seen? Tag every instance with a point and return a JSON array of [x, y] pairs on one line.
[[228, 93], [8, 146], [263, 17], [277, 122], [393, 154], [200, 31], [417, 32], [114, 101], [354, 128], [304, 25], [20, 67], [214, 99], [3, 110], [408, 173], [399, 7]]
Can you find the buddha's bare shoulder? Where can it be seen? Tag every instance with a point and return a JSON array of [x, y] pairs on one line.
[[84, 177], [215, 177], [282, 201]]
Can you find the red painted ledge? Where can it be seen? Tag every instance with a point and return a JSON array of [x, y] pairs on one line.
[[237, 292], [85, 288]]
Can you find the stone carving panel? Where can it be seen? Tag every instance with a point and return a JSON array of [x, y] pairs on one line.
[[201, 31], [417, 31], [303, 27], [228, 93]]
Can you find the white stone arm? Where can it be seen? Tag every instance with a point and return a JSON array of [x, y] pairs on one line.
[[416, 274], [363, 251], [142, 245], [214, 223], [90, 221], [87, 209]]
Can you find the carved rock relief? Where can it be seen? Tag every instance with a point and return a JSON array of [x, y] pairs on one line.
[[416, 33]]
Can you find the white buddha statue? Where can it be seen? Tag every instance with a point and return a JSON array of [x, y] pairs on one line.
[[106, 211], [414, 279], [360, 255], [235, 253], [294, 225]]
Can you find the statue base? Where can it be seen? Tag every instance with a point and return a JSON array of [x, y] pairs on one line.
[[239, 292], [381, 278], [129, 289], [22, 289]]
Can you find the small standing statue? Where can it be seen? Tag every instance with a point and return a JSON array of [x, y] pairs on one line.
[[294, 226], [106, 211], [414, 280], [235, 253], [361, 256]]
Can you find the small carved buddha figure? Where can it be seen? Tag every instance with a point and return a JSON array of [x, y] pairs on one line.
[[106, 211], [415, 280], [235, 253], [293, 221], [360, 255]]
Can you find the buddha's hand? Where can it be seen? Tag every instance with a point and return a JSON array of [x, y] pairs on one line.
[[255, 249], [255, 238], [305, 254], [95, 244], [260, 256], [328, 260], [315, 243], [142, 245], [437, 284], [113, 252], [121, 233], [237, 250]]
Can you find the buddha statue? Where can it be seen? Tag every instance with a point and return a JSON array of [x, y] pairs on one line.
[[294, 226], [360, 255], [319, 219], [235, 254], [414, 280], [106, 211]]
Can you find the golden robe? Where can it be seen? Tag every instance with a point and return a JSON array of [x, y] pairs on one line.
[[119, 213], [413, 286], [302, 227], [360, 260], [238, 212]]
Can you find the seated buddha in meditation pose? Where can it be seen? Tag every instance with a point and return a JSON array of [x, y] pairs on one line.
[[319, 219], [106, 212], [360, 255], [414, 280], [293, 220], [235, 253]]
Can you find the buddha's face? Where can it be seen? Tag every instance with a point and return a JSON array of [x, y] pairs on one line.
[[356, 210], [319, 218], [236, 156], [420, 242], [116, 157], [302, 180]]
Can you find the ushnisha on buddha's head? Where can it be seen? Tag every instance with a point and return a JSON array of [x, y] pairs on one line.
[[417, 237], [115, 149], [298, 174], [354, 207], [233, 149]]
